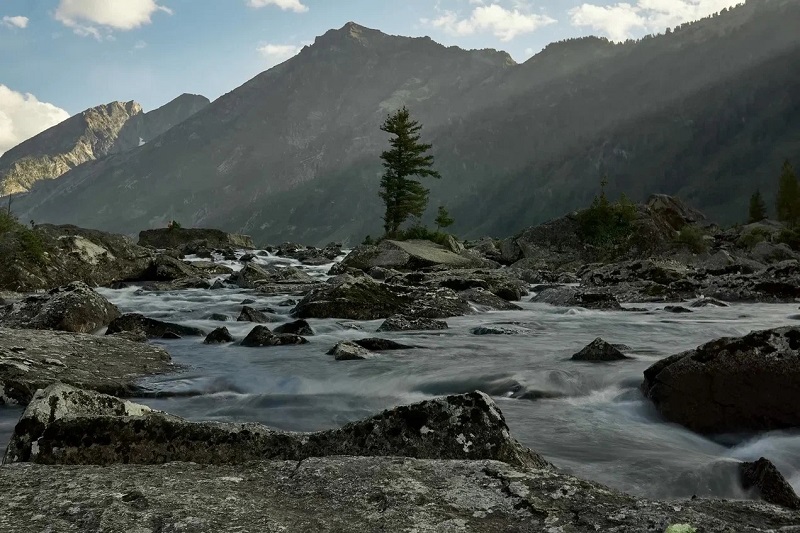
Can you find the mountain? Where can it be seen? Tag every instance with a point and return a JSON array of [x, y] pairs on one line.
[[708, 111], [87, 136]]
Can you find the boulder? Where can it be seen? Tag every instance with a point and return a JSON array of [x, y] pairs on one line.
[[249, 314], [65, 425], [153, 329], [346, 493], [402, 255], [599, 351], [75, 308], [764, 478], [261, 336], [496, 330], [737, 384], [179, 237], [708, 302], [254, 276], [298, 327], [34, 359], [564, 296], [349, 351], [166, 268], [505, 283], [406, 323], [677, 309], [485, 298], [352, 298], [381, 345], [219, 336]]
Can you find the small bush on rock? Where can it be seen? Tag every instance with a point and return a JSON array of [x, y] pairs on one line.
[[27, 242], [749, 240], [692, 238]]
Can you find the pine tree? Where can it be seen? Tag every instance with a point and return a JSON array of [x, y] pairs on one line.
[[758, 208], [788, 199], [443, 219], [406, 160]]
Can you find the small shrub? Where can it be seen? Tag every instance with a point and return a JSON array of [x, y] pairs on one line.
[[605, 224], [749, 240], [421, 233], [368, 241], [692, 238], [790, 237], [29, 242]]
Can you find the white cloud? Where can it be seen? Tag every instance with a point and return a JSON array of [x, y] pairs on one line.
[[98, 17], [16, 22], [278, 53], [622, 20], [22, 116], [287, 5], [505, 24]]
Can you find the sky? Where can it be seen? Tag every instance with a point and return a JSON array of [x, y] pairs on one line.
[[59, 57]]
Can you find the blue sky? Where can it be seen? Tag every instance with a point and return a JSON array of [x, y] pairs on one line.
[[58, 57]]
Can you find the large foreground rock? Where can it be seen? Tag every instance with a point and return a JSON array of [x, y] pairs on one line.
[[65, 425], [151, 328], [349, 494], [33, 359], [749, 383], [75, 308], [179, 237], [764, 477]]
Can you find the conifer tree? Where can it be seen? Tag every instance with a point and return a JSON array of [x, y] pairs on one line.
[[443, 219], [404, 162], [758, 208], [788, 199]]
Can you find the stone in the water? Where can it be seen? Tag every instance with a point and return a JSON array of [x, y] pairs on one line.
[[678, 309], [735, 384], [708, 302], [599, 351], [249, 314], [219, 317], [248, 301], [153, 329], [406, 323], [496, 330], [75, 308], [772, 487], [564, 296], [219, 336], [171, 335], [298, 327], [485, 298], [261, 336], [349, 351], [381, 345]]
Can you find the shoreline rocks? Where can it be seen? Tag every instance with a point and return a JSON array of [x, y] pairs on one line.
[[166, 238], [153, 329]]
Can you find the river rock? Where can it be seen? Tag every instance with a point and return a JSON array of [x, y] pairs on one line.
[[708, 302], [261, 336], [34, 359], [768, 482], [485, 298], [298, 327], [599, 351], [350, 494], [406, 323], [254, 276], [496, 330], [351, 298], [349, 351], [401, 255], [381, 345], [736, 384], [504, 283], [75, 308], [180, 237], [677, 309], [249, 314], [573, 297], [167, 268], [219, 336], [65, 425], [154, 329]]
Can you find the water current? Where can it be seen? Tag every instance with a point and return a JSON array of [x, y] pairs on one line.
[[590, 419]]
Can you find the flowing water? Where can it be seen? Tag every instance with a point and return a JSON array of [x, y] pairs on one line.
[[598, 425]]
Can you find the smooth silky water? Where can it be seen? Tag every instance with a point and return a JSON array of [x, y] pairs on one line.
[[598, 427]]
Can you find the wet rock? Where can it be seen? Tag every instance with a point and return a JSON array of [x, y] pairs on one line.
[[133, 336], [246, 258], [54, 429], [402, 255], [34, 359], [502, 283], [381, 345], [599, 351], [153, 329], [217, 285], [406, 323], [261, 336], [349, 351], [249, 314], [180, 237], [768, 482], [288, 303], [677, 309], [485, 298], [254, 276], [218, 317], [219, 336], [736, 384], [166, 268], [171, 335], [496, 330], [351, 298], [247, 301], [75, 308], [298, 327], [708, 302], [573, 297]]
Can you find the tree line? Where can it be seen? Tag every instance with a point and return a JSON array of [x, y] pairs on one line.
[[787, 201]]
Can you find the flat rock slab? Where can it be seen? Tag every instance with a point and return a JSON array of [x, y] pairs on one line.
[[34, 359], [343, 494]]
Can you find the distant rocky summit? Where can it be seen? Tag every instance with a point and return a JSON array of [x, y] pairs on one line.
[[93, 134]]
